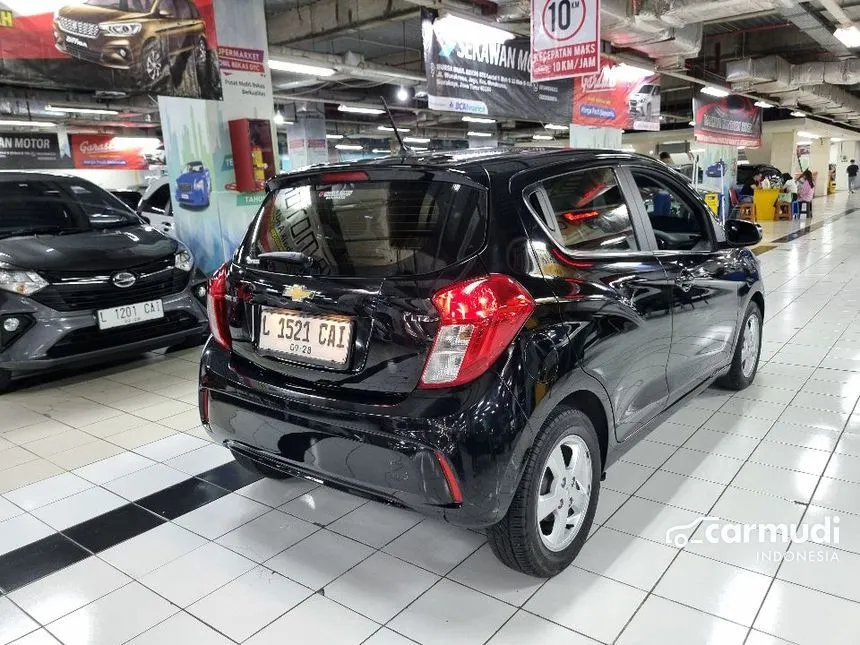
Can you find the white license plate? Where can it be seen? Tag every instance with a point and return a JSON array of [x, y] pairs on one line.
[[184, 196], [130, 314], [323, 339]]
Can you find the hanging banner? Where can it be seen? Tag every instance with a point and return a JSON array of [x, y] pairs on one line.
[[481, 70], [129, 46], [565, 38], [106, 151], [618, 97], [32, 151], [731, 120]]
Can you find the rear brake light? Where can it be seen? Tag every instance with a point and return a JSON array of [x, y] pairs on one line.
[[478, 320], [217, 308], [343, 177]]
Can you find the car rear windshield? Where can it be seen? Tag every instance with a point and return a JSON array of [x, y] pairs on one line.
[[370, 228]]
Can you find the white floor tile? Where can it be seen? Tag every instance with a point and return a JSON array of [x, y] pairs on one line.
[[788, 484], [78, 508], [375, 524], [790, 457], [21, 530], [145, 482], [39, 637], [625, 477], [267, 535], [673, 434], [152, 549], [14, 623], [737, 424], [47, 491], [276, 492], [838, 495], [319, 559], [608, 502], [112, 468], [221, 516], [684, 491], [482, 571], [823, 568], [702, 465], [752, 507], [8, 510], [420, 545], [181, 628], [524, 627], [625, 558], [317, 620], [844, 467], [244, 606], [668, 623], [803, 436], [387, 637], [726, 444], [200, 460], [649, 453], [651, 520], [170, 447]]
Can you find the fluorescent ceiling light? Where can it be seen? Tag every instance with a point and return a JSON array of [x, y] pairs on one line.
[[697, 149], [420, 149], [359, 109], [555, 126], [710, 90], [807, 135], [416, 140], [804, 141], [79, 110], [402, 94], [836, 139], [671, 143], [848, 36], [300, 68], [478, 119], [334, 136], [388, 128], [763, 104], [473, 133], [12, 123], [347, 146], [798, 113], [543, 137], [634, 70], [471, 31], [382, 151]]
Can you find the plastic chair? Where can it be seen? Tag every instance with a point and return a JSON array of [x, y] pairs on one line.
[[804, 208], [783, 210]]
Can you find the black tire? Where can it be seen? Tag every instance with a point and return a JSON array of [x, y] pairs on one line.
[[516, 540], [737, 378], [150, 67], [260, 469]]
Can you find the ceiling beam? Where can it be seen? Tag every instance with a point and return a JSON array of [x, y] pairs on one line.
[[330, 18]]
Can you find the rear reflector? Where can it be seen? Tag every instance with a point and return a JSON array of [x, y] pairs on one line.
[[203, 402], [478, 320], [217, 308], [450, 478], [343, 177]]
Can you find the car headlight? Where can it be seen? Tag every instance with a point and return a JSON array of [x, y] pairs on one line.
[[200, 184], [183, 260], [24, 283], [120, 28]]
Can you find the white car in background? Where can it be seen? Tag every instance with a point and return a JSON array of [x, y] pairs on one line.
[[156, 208]]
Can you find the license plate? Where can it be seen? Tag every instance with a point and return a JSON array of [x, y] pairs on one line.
[[320, 339], [130, 314], [184, 196]]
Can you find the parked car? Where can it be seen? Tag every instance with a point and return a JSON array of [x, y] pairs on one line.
[[143, 37], [717, 169], [155, 207], [747, 171], [194, 186], [476, 337], [83, 280]]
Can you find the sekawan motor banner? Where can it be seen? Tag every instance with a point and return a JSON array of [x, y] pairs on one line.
[[619, 96], [162, 47], [32, 150], [730, 120], [481, 70]]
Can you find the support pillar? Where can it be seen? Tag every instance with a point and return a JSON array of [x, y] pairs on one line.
[[819, 164]]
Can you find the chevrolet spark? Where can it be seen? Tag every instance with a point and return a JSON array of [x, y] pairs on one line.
[[477, 337]]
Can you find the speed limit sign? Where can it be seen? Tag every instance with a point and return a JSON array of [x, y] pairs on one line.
[[565, 38]]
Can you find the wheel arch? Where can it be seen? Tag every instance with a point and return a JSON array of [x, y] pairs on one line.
[[591, 405], [758, 298]]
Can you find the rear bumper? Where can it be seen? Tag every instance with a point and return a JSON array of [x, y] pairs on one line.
[[395, 452]]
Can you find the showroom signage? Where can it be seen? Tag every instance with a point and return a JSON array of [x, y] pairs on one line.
[[731, 120], [26, 150], [619, 96], [106, 151], [111, 45], [565, 39], [482, 70]]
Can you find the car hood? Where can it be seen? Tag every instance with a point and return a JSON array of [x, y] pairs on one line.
[[191, 176], [101, 250], [90, 13]]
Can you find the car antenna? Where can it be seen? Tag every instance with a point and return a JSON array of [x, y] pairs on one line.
[[403, 149]]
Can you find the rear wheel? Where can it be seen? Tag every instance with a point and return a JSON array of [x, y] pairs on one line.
[[747, 351], [553, 509], [151, 65], [260, 469]]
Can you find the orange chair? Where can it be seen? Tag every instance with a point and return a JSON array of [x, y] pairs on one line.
[[782, 210], [746, 211]]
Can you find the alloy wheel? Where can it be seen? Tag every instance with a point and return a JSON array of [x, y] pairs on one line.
[[153, 65], [564, 493], [749, 350]]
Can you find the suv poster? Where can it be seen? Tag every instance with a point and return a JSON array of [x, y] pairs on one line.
[[162, 47], [618, 97], [731, 120], [485, 71]]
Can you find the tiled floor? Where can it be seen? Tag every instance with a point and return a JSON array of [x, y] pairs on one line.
[[120, 521]]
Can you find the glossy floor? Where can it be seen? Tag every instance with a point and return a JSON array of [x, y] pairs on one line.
[[120, 522]]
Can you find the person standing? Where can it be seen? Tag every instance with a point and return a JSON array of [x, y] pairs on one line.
[[852, 177], [806, 190]]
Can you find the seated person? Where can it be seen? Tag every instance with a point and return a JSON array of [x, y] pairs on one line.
[[788, 192], [747, 191]]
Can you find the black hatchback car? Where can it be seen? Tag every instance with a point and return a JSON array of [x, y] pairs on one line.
[[82, 279], [477, 337]]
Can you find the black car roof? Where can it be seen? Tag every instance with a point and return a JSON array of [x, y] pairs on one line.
[[36, 174]]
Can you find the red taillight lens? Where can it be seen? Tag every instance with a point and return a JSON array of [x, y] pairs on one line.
[[216, 307], [450, 478], [344, 177], [478, 320]]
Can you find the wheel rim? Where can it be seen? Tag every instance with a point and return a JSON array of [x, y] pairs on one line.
[[201, 52], [749, 350], [153, 65], [564, 493]]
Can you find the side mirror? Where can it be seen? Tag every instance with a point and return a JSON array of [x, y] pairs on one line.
[[742, 233]]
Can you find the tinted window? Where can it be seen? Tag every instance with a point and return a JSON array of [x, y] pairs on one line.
[[590, 212], [678, 224], [157, 201], [36, 206], [101, 208], [371, 228]]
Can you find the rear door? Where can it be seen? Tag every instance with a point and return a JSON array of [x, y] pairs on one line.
[[338, 270]]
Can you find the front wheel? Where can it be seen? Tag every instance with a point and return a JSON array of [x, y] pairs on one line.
[[553, 509], [151, 65], [747, 351]]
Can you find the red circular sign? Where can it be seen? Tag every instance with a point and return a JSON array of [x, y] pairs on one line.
[[554, 10]]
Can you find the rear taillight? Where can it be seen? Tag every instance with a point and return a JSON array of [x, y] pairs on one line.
[[478, 320], [216, 307]]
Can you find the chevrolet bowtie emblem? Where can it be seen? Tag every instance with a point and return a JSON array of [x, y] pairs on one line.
[[297, 293]]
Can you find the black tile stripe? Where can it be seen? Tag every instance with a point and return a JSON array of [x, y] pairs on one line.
[[64, 548]]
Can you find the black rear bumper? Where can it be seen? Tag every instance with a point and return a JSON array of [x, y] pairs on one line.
[[404, 452]]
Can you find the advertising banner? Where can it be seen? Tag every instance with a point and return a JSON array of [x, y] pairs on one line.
[[731, 120], [32, 151], [482, 70], [618, 97], [153, 46], [106, 151], [565, 38]]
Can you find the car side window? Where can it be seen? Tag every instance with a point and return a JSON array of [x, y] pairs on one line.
[[167, 8], [589, 211], [157, 202], [677, 224]]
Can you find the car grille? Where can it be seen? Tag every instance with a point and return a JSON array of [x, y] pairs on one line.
[[83, 53], [90, 339], [185, 188], [82, 291], [78, 27]]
